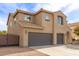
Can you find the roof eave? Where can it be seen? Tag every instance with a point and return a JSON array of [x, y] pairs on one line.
[[8, 18]]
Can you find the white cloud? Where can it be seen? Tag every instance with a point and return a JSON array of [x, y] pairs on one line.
[[67, 6], [1, 22], [3, 25], [55, 5], [4, 11], [11, 7], [73, 21]]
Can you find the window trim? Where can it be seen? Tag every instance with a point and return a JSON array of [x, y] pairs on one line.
[[27, 18], [60, 21], [46, 17]]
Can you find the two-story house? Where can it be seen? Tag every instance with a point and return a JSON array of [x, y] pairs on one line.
[[41, 28]]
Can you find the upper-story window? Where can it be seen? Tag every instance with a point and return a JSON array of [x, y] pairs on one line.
[[27, 18], [46, 17], [60, 20]]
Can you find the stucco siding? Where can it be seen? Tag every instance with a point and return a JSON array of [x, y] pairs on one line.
[[38, 19], [48, 25], [40, 25]]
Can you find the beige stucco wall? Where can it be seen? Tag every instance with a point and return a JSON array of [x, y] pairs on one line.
[[48, 27], [20, 16], [15, 27], [23, 42], [16, 30], [10, 29], [52, 27], [38, 19], [60, 28]]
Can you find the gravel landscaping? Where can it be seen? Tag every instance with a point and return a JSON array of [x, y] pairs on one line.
[[73, 46]]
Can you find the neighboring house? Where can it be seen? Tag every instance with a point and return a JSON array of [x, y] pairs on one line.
[[40, 28], [72, 27]]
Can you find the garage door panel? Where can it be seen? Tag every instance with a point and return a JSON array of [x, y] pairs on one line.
[[38, 39], [60, 38]]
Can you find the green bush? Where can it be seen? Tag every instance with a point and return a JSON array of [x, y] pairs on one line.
[[76, 30], [3, 32]]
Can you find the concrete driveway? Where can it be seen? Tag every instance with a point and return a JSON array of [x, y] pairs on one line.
[[17, 51], [61, 50]]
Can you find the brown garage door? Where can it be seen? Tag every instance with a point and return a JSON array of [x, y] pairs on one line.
[[39, 39], [60, 38]]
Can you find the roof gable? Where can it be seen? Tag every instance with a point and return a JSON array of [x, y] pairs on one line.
[[60, 12]]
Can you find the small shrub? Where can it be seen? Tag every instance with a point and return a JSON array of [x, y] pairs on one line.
[[3, 32], [76, 30]]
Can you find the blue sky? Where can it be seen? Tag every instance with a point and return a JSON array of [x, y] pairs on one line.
[[70, 9]]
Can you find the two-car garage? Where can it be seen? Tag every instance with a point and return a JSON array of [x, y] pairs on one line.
[[40, 39]]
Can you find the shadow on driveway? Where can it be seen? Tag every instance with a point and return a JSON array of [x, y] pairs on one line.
[[17, 50], [45, 46]]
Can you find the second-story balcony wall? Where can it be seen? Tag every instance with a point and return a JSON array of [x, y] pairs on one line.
[[38, 19]]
